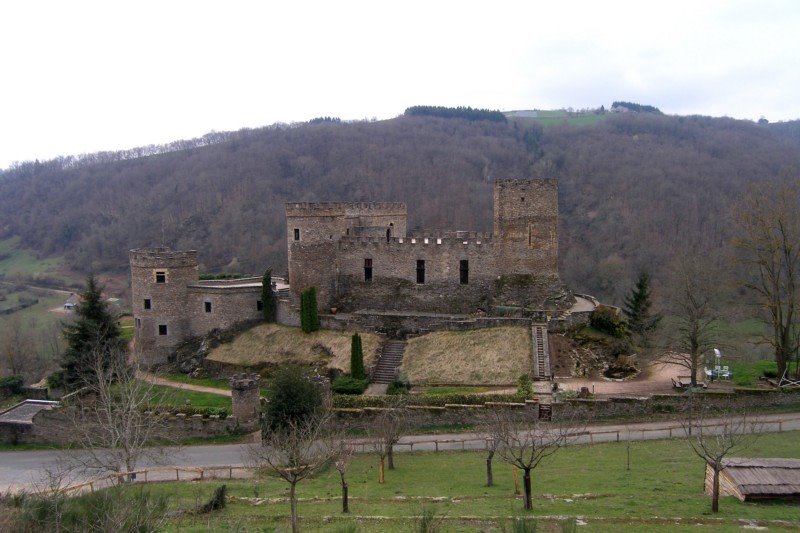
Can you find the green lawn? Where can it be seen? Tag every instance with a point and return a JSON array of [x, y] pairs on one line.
[[16, 261], [441, 391], [214, 383], [561, 116], [661, 492], [172, 397]]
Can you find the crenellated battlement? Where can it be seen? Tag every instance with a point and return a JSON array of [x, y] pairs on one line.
[[162, 258], [475, 239], [243, 382]]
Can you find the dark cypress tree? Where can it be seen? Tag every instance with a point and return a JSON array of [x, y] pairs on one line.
[[94, 334], [357, 358], [269, 304], [637, 306], [309, 317]]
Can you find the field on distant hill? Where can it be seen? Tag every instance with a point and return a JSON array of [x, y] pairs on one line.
[[270, 344], [490, 356]]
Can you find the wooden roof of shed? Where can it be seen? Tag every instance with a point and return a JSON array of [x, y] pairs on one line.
[[761, 477]]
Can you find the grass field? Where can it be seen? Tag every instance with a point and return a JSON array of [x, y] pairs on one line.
[[561, 116], [276, 344], [181, 397], [491, 356], [661, 492], [18, 262]]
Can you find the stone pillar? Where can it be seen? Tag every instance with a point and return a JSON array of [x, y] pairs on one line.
[[245, 398]]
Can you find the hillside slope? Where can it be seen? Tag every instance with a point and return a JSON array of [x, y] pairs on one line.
[[634, 189]]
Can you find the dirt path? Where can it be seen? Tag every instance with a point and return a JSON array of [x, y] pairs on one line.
[[152, 378]]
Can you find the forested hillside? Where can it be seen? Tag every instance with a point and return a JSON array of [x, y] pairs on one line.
[[634, 188]]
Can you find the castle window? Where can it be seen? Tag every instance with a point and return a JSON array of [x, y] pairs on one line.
[[259, 305], [162, 329], [208, 307], [522, 199], [147, 304], [420, 271], [297, 234], [161, 276], [388, 234], [463, 270], [138, 323], [367, 269]]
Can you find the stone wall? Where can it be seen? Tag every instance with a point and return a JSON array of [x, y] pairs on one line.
[[57, 426], [231, 302], [415, 324]]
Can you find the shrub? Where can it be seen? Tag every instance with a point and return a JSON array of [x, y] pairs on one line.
[[400, 384], [12, 384], [524, 386], [349, 385], [608, 320]]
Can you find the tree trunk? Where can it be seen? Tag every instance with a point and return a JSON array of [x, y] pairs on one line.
[[489, 477], [295, 519], [345, 503], [380, 472], [715, 492], [526, 481], [390, 455]]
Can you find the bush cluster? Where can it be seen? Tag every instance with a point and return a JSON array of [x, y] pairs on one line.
[[349, 385], [11, 384], [607, 320]]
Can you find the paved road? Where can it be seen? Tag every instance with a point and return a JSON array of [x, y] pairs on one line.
[[18, 469]]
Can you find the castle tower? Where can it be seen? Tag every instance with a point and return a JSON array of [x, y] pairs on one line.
[[526, 243], [159, 280], [245, 398]]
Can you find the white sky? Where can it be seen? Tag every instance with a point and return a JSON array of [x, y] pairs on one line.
[[79, 76]]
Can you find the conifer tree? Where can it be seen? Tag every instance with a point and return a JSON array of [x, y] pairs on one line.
[[94, 334], [357, 358], [268, 302], [641, 321], [309, 317]]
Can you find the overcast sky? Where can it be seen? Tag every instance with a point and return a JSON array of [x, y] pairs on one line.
[[88, 76]]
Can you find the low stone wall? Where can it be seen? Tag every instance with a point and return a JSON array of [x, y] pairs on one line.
[[57, 426], [411, 324]]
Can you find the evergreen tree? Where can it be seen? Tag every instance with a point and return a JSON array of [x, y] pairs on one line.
[[357, 358], [309, 317], [641, 321], [294, 398], [95, 333], [269, 304]]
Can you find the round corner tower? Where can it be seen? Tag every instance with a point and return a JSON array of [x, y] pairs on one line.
[[245, 398], [159, 280]]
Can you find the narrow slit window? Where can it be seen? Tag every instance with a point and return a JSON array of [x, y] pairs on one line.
[[161, 276], [463, 270], [147, 303], [162, 329], [259, 305], [420, 271], [297, 234], [388, 234], [208, 307], [367, 269], [138, 323]]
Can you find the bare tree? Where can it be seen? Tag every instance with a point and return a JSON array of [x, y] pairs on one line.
[[525, 441], [768, 221], [115, 421], [384, 433], [295, 451], [342, 463], [715, 432], [694, 303], [17, 346]]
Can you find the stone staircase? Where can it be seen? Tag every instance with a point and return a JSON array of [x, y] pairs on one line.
[[541, 352], [391, 356]]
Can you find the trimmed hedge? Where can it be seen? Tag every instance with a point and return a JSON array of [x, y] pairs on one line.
[[349, 385], [358, 402]]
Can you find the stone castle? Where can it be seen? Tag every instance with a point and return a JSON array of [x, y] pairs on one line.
[[360, 256]]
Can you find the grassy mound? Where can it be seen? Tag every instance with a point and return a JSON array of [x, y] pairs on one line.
[[491, 356], [268, 344]]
